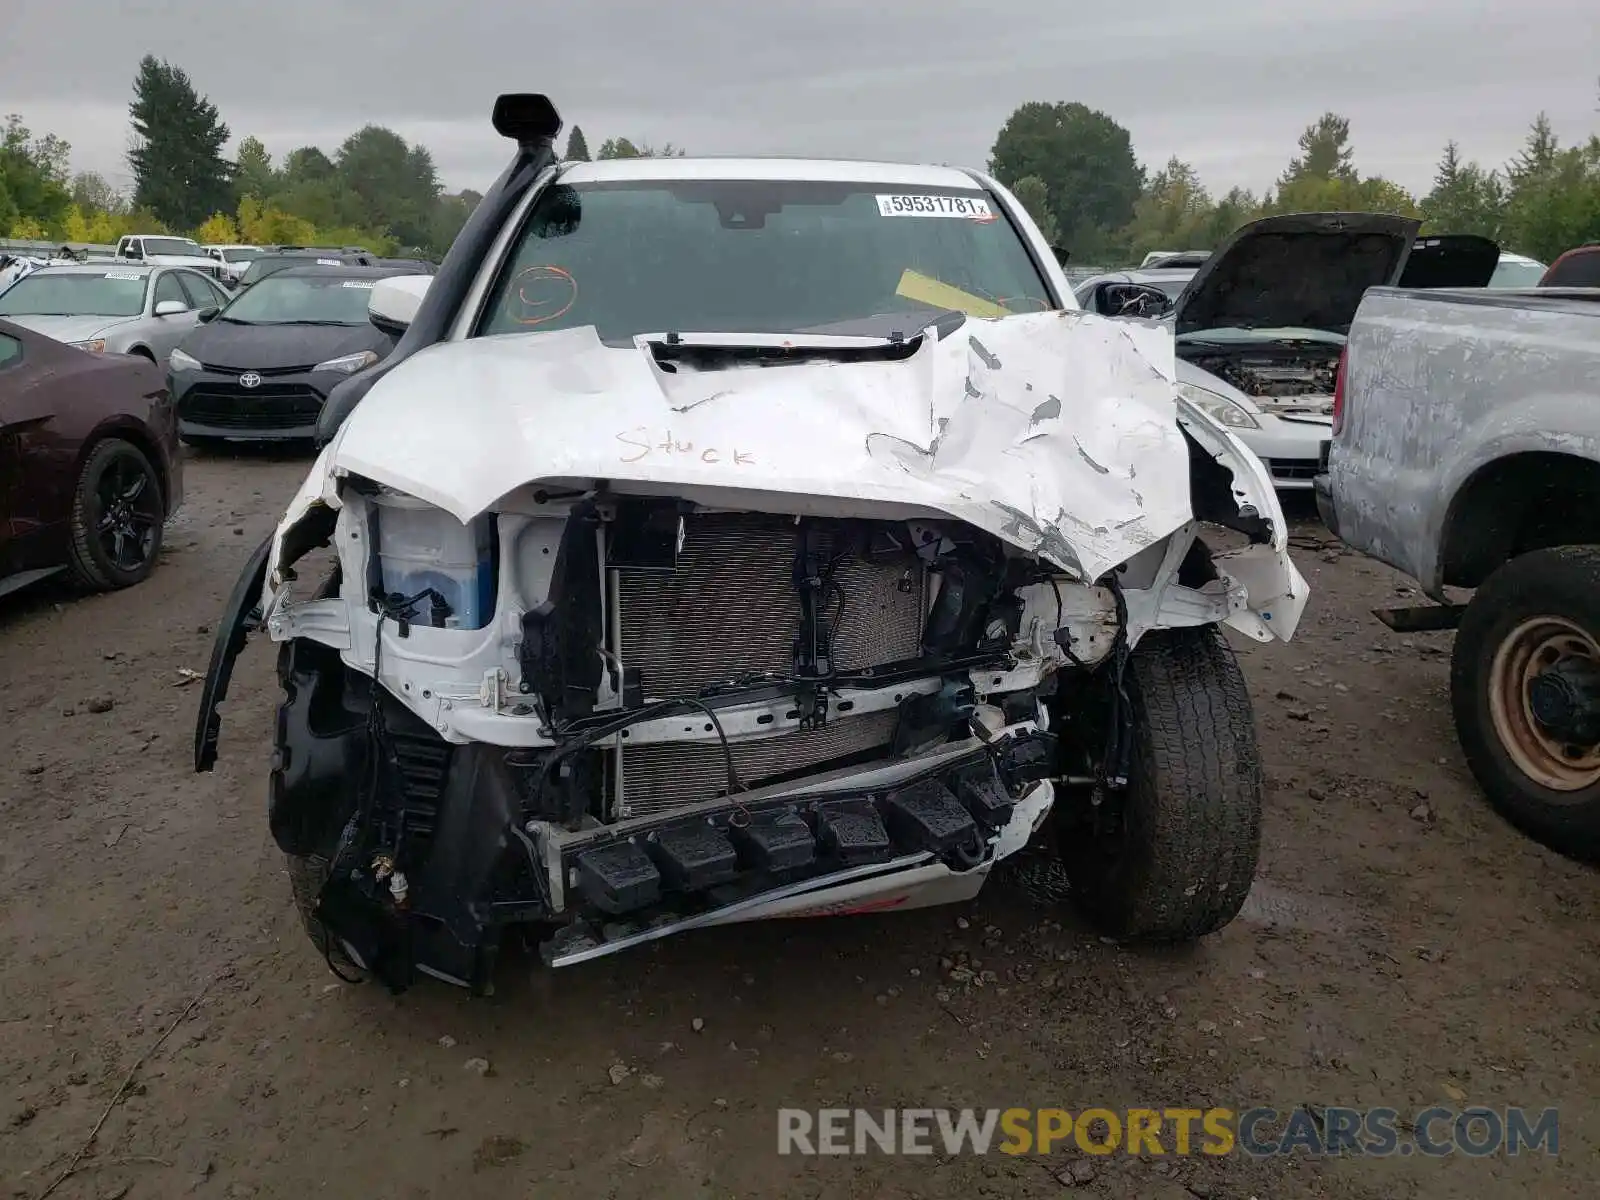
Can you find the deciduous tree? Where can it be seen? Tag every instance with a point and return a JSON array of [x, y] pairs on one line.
[[91, 193], [33, 173], [1086, 162], [397, 184], [1034, 196], [217, 230]]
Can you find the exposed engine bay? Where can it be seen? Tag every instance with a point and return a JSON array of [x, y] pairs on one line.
[[1284, 379], [613, 706]]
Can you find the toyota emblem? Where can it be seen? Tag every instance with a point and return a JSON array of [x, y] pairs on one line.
[[249, 380]]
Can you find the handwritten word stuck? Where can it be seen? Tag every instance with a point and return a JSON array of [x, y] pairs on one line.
[[641, 443]]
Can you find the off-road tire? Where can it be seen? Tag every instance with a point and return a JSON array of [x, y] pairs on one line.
[[1563, 583], [1178, 862], [90, 567]]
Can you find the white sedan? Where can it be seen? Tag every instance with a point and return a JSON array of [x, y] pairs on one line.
[[1285, 431], [1260, 324]]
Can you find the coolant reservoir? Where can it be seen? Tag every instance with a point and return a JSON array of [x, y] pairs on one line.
[[422, 547]]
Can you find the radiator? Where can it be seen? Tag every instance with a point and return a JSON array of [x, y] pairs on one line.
[[729, 611]]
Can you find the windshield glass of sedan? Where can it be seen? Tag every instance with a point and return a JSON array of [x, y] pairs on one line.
[[271, 264], [76, 293], [240, 254], [1513, 274], [158, 245], [289, 300], [747, 256]]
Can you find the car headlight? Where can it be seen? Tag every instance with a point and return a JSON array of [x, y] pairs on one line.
[[1230, 412], [348, 364], [92, 345], [179, 361]]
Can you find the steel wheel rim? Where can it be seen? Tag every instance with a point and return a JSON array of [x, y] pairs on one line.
[[1530, 648], [128, 513]]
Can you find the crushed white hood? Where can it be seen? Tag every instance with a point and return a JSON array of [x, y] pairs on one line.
[[1056, 432]]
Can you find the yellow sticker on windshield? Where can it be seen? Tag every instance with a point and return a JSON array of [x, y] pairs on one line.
[[925, 289]]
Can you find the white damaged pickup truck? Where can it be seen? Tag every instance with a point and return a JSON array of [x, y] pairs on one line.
[[733, 539]]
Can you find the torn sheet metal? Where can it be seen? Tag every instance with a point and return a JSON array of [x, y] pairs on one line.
[[1055, 432]]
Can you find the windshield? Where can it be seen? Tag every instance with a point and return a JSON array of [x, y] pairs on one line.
[[291, 300], [158, 245], [1513, 274], [260, 268], [76, 294], [240, 254], [1172, 287], [749, 256]]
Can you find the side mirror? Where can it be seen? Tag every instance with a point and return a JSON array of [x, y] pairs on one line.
[[1139, 300], [395, 300], [207, 314], [170, 308]]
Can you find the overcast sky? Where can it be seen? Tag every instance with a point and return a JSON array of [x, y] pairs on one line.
[[1226, 84]]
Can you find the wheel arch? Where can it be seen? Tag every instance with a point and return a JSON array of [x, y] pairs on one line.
[[1521, 502], [130, 431]]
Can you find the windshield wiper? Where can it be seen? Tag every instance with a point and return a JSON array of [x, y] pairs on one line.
[[347, 324], [902, 324]]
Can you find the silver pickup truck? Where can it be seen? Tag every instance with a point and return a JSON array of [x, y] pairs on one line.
[[1466, 453]]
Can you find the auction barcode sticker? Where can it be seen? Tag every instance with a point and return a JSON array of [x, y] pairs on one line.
[[973, 208], [364, 284], [124, 275]]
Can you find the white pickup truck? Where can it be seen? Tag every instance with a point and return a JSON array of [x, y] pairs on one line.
[[1466, 453], [166, 251], [817, 588]]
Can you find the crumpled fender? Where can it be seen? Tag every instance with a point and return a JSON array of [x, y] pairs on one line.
[[319, 489], [253, 595], [1277, 591]]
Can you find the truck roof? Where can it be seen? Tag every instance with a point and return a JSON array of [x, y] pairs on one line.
[[822, 170]]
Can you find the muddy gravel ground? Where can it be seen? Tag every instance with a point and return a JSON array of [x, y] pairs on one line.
[[1403, 948]]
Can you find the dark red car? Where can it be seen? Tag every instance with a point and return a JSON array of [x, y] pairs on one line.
[[89, 463], [1578, 267]]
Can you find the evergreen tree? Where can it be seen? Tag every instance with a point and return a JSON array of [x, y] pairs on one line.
[[178, 169], [577, 146], [1465, 198], [1325, 152], [254, 173]]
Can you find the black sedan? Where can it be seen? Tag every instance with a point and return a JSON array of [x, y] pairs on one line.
[[260, 369]]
